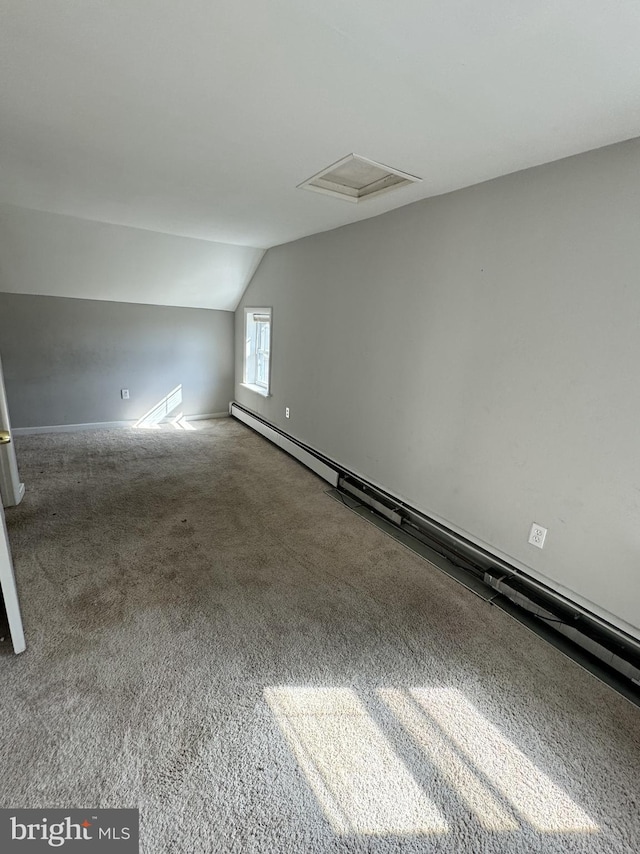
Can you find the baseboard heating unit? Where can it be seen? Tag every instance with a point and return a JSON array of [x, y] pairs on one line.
[[606, 650], [311, 459]]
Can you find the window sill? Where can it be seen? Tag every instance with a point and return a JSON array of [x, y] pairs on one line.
[[257, 388]]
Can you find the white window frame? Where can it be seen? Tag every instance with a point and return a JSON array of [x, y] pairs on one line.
[[251, 353]]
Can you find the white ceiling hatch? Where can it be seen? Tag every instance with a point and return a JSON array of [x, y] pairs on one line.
[[357, 179], [201, 119]]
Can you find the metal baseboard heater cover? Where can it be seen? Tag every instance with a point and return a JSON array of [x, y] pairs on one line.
[[593, 639], [302, 453], [610, 645]]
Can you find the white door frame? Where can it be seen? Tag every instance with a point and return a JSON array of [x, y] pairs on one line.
[[9, 590]]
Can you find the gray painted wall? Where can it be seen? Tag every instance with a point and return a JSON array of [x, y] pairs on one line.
[[477, 354], [65, 360]]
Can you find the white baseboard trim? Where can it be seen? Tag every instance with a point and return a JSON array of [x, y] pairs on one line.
[[207, 417], [70, 428], [101, 425]]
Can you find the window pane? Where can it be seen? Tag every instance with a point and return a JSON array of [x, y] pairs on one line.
[[263, 370], [257, 346], [262, 353]]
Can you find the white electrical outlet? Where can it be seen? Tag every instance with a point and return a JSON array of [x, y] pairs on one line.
[[286, 412], [537, 535], [124, 392]]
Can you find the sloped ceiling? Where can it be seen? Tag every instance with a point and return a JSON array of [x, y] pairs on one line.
[[62, 256], [199, 118]]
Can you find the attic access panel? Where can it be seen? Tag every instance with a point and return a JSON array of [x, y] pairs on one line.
[[356, 178]]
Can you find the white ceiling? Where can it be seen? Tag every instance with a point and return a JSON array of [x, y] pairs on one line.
[[199, 117]]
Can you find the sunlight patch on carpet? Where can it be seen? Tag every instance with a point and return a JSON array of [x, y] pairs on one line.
[[361, 784], [532, 794], [491, 814]]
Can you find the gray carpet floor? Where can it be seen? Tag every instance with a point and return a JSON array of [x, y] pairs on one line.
[[213, 639]]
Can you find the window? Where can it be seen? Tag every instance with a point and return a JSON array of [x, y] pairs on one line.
[[257, 348]]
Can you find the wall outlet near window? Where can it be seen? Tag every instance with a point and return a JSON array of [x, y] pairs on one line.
[[124, 393], [286, 412], [537, 535]]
